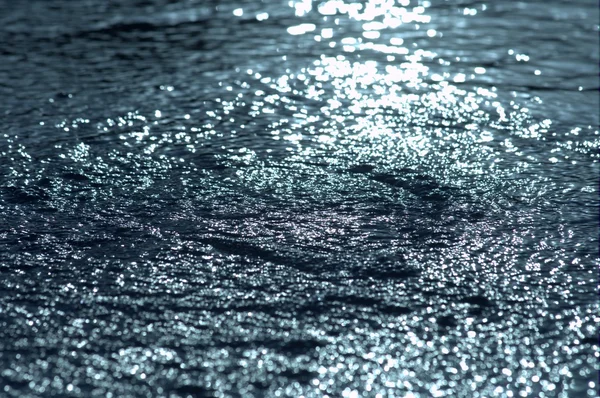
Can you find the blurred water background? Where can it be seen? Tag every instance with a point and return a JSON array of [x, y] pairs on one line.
[[299, 198]]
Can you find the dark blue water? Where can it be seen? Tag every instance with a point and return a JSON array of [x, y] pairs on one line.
[[299, 199]]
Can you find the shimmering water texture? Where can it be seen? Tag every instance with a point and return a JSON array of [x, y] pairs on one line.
[[303, 199]]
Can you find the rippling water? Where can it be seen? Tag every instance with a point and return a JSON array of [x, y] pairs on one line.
[[303, 198]]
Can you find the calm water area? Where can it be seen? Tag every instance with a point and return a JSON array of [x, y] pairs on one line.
[[326, 198]]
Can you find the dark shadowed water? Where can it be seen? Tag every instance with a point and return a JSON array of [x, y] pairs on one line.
[[299, 198]]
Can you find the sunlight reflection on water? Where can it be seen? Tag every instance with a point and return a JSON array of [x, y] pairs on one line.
[[371, 198]]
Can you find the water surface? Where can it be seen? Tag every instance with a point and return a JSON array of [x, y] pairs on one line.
[[326, 198]]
